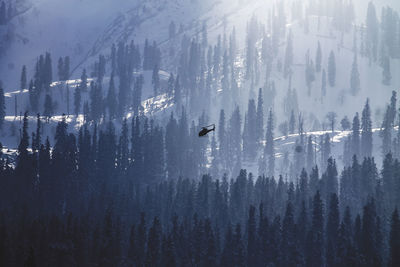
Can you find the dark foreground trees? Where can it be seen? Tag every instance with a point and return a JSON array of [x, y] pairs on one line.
[[99, 199]]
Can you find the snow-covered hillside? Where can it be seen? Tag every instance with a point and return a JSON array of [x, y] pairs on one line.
[[83, 29]]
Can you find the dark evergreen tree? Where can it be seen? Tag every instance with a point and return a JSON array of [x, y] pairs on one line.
[[137, 94], [24, 84], [355, 137], [156, 80], [288, 243], [395, 239], [260, 116], [354, 77], [77, 100], [112, 99], [366, 134], [332, 69], [2, 107], [48, 107], [323, 86], [372, 32], [345, 123], [252, 244], [60, 69], [318, 58], [83, 85], [386, 72], [66, 67], [269, 152], [332, 232], [292, 123], [287, 69], [310, 154], [315, 255]]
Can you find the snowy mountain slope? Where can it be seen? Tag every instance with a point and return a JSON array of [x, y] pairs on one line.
[[100, 25], [285, 146]]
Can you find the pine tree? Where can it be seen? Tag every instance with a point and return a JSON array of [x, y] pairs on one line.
[[83, 85], [48, 107], [235, 144], [66, 68], [38, 139], [156, 80], [292, 122], [77, 100], [386, 73], [331, 116], [395, 240], [366, 134], [269, 152], [171, 84], [222, 138], [369, 242], [252, 246], [386, 132], [345, 123], [60, 69], [154, 244], [332, 232], [287, 69], [288, 243], [250, 131], [33, 96], [137, 94], [227, 257], [24, 143], [260, 116], [47, 71], [318, 58], [316, 236], [23, 79], [323, 86], [2, 107], [112, 99], [372, 32], [310, 154], [326, 150], [171, 147], [355, 77], [177, 93], [355, 137], [332, 69], [238, 247]]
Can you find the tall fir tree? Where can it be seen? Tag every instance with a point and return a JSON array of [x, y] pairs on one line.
[[332, 69], [366, 134], [24, 84], [77, 100], [287, 68], [355, 137], [355, 77], [156, 80], [318, 58], [2, 107], [386, 72], [269, 152], [323, 84], [394, 241], [112, 99], [260, 116]]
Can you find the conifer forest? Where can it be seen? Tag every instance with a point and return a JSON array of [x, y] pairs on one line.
[[199, 133]]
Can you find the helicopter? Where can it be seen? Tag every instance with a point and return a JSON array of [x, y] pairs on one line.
[[205, 130]]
